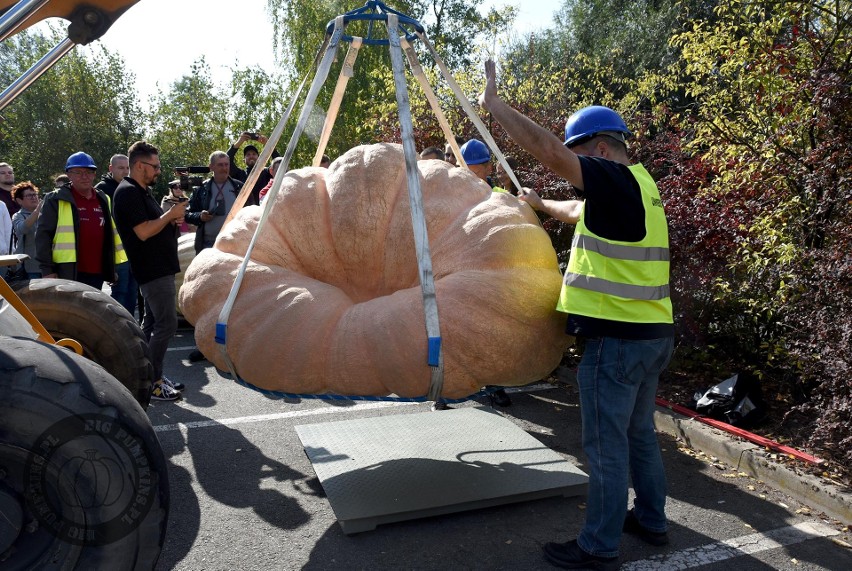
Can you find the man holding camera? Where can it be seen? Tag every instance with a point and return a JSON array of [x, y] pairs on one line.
[[210, 204], [250, 156], [150, 238]]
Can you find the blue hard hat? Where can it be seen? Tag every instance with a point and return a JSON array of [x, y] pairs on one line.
[[589, 121], [474, 152], [80, 160]]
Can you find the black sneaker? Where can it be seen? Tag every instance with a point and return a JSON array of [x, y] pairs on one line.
[[196, 356], [162, 391], [500, 398], [633, 527], [176, 385], [571, 556]]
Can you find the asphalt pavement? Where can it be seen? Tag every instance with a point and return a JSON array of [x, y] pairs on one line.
[[244, 495]]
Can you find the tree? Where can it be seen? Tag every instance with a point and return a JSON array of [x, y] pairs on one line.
[[771, 118], [189, 121], [632, 36], [257, 101], [454, 28], [629, 38], [81, 104]]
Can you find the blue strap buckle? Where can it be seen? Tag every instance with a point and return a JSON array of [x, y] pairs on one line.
[[434, 357]]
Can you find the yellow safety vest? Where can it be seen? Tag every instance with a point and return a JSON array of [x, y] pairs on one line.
[[498, 189], [621, 281], [65, 241]]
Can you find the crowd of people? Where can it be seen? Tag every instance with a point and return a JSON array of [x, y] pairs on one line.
[[615, 291], [116, 233]]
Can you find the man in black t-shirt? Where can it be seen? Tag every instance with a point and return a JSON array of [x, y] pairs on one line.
[[616, 294], [150, 240]]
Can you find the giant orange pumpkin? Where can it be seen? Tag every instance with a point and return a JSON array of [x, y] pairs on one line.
[[331, 301]]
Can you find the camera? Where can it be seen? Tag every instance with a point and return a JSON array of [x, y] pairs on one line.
[[190, 177], [252, 136], [176, 199], [220, 208]]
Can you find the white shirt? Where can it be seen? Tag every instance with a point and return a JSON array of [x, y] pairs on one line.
[[5, 230]]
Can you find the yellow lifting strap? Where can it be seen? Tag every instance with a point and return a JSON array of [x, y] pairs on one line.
[[468, 108], [347, 71], [417, 72]]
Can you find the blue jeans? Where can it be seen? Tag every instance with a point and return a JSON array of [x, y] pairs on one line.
[[125, 289], [160, 321], [618, 385]]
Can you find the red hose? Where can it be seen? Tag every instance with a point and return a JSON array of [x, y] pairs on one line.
[[750, 436]]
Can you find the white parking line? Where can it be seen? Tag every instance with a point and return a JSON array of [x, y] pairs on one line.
[[277, 416], [187, 348], [684, 559], [731, 548], [314, 411]]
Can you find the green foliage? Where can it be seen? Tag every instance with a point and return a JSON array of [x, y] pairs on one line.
[[257, 99], [86, 102], [452, 26], [627, 37], [196, 117], [189, 121], [769, 114], [744, 120]]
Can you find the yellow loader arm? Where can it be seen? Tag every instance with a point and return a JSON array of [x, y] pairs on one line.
[[89, 21], [104, 11]]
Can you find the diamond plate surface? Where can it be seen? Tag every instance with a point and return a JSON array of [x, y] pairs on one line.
[[394, 468]]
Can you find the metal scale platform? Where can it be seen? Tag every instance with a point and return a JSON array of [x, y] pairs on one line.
[[395, 468]]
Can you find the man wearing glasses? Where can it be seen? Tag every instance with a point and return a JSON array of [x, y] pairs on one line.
[[76, 237], [151, 236]]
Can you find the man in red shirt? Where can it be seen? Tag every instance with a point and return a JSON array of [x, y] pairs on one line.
[[76, 237]]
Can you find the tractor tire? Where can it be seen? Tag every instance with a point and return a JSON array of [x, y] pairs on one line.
[[83, 480], [109, 335]]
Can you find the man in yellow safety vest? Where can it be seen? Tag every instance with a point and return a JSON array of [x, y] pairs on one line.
[[616, 295], [76, 237]]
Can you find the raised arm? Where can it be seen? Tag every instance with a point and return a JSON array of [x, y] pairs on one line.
[[534, 138]]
